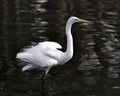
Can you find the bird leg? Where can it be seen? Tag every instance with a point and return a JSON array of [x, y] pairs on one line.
[[43, 80], [43, 76], [43, 83], [45, 72]]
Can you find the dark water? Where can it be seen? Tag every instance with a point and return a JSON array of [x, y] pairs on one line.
[[95, 67]]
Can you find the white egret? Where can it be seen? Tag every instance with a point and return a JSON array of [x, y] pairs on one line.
[[46, 55]]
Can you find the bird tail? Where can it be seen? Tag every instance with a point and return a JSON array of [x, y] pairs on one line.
[[24, 56], [28, 67]]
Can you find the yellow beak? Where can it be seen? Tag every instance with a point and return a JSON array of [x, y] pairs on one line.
[[82, 20]]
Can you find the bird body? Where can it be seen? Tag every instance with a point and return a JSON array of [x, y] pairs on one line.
[[46, 55]]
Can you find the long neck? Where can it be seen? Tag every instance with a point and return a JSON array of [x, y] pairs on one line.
[[69, 50]]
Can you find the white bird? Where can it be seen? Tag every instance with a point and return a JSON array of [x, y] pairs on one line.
[[46, 55]]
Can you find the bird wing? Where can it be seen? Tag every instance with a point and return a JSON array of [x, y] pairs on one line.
[[49, 44], [51, 53], [42, 46]]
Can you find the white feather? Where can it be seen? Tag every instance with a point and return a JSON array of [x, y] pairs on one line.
[[46, 54], [27, 67]]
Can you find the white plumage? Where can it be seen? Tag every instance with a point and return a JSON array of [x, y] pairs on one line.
[[46, 55]]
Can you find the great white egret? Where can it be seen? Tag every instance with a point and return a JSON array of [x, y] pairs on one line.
[[46, 55]]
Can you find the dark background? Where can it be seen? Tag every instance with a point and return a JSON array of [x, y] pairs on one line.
[[95, 68]]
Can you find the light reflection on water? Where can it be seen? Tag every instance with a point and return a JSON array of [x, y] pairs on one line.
[[94, 69]]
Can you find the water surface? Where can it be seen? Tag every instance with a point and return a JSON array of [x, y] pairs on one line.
[[95, 68]]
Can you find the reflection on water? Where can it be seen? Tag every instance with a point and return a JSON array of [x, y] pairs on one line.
[[94, 69]]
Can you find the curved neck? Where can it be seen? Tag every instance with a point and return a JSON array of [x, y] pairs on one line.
[[69, 50]]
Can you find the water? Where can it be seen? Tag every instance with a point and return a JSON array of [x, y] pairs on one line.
[[94, 69]]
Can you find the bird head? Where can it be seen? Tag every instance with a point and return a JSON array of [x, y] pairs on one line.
[[75, 19]]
